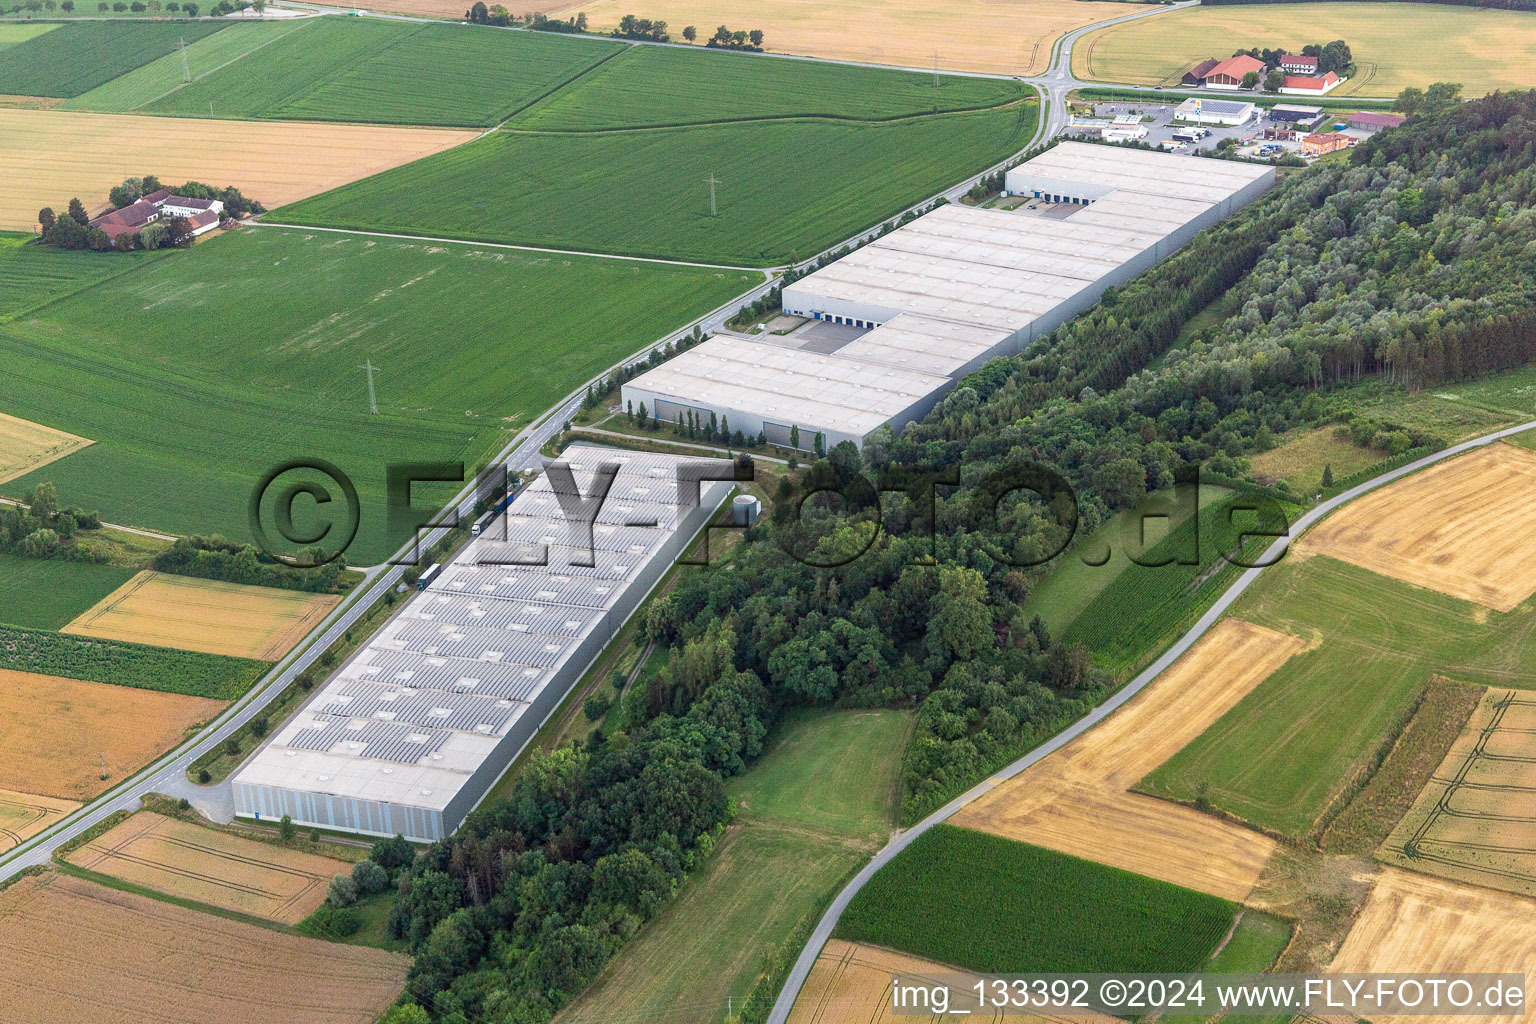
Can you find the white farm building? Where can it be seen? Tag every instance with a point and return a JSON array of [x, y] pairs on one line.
[[941, 296], [1225, 113], [415, 728]]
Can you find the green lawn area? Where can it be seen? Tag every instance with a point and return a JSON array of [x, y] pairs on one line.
[[647, 86], [203, 57], [985, 903], [1289, 749], [44, 593], [78, 57], [1073, 583], [195, 383], [394, 72], [1300, 457], [788, 188], [31, 275], [774, 872]]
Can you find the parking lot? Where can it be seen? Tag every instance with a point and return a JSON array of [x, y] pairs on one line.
[[1161, 126]]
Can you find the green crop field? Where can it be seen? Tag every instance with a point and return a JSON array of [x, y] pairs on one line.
[[20, 32], [787, 187], [42, 593], [652, 86], [1139, 610], [123, 664], [159, 77], [350, 69], [78, 57], [1287, 752], [982, 902], [31, 275], [774, 872], [194, 382]]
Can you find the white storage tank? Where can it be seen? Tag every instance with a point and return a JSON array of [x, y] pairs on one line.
[[745, 509]]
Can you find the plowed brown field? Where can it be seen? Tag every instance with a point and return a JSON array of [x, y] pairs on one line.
[[25, 446], [1465, 527], [204, 615], [76, 951], [55, 733], [850, 983], [24, 815], [182, 859], [1076, 800], [1413, 923], [49, 156]]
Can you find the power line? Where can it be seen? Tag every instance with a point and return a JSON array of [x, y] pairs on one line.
[[373, 400], [712, 181], [186, 69]]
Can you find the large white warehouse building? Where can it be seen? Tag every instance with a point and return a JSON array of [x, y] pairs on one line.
[[946, 293], [417, 726]]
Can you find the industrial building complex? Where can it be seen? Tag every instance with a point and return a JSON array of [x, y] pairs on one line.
[[939, 297], [415, 728]]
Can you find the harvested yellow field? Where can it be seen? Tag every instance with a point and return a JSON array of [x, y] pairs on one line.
[[204, 615], [77, 951], [183, 859], [48, 156], [1416, 924], [25, 446], [1076, 800], [1465, 527], [850, 983], [1482, 49], [1475, 820], [24, 815], [56, 733], [1010, 37]]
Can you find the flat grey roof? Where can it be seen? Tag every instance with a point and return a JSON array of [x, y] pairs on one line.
[[1217, 106], [1126, 169], [409, 719]]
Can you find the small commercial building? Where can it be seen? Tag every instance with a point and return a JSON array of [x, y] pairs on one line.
[[1295, 115], [950, 291], [1125, 128], [1226, 113], [1310, 85], [1229, 74], [417, 726], [1320, 143], [1370, 122]]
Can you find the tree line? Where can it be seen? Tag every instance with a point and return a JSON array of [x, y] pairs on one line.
[[40, 527], [1398, 266]]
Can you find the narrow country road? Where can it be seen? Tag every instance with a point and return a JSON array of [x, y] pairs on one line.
[[828, 922]]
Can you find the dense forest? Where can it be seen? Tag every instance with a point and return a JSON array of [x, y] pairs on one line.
[[1409, 260]]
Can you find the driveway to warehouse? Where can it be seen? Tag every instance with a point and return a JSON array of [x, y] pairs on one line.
[[823, 931]]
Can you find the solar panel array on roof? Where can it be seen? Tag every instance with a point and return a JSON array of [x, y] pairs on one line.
[[511, 682], [432, 708], [382, 741]]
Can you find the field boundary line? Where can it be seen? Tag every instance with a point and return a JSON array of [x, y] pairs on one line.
[[558, 87], [771, 119], [198, 78], [823, 931], [510, 245], [85, 286]]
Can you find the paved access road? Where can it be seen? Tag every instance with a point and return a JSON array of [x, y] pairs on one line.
[[824, 928]]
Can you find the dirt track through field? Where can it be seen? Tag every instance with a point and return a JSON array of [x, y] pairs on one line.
[[25, 446], [183, 859], [24, 815], [204, 615], [1413, 923], [76, 951], [1475, 821], [1464, 527], [851, 984], [55, 732], [49, 156], [1076, 800]]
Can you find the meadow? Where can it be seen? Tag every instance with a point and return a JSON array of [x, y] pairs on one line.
[[1481, 49], [33, 274], [811, 809], [41, 593], [787, 188], [137, 666], [194, 383], [78, 57], [151, 81], [984, 903], [652, 86], [390, 72], [1295, 746]]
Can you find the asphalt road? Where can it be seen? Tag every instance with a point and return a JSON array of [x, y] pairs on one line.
[[824, 927]]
